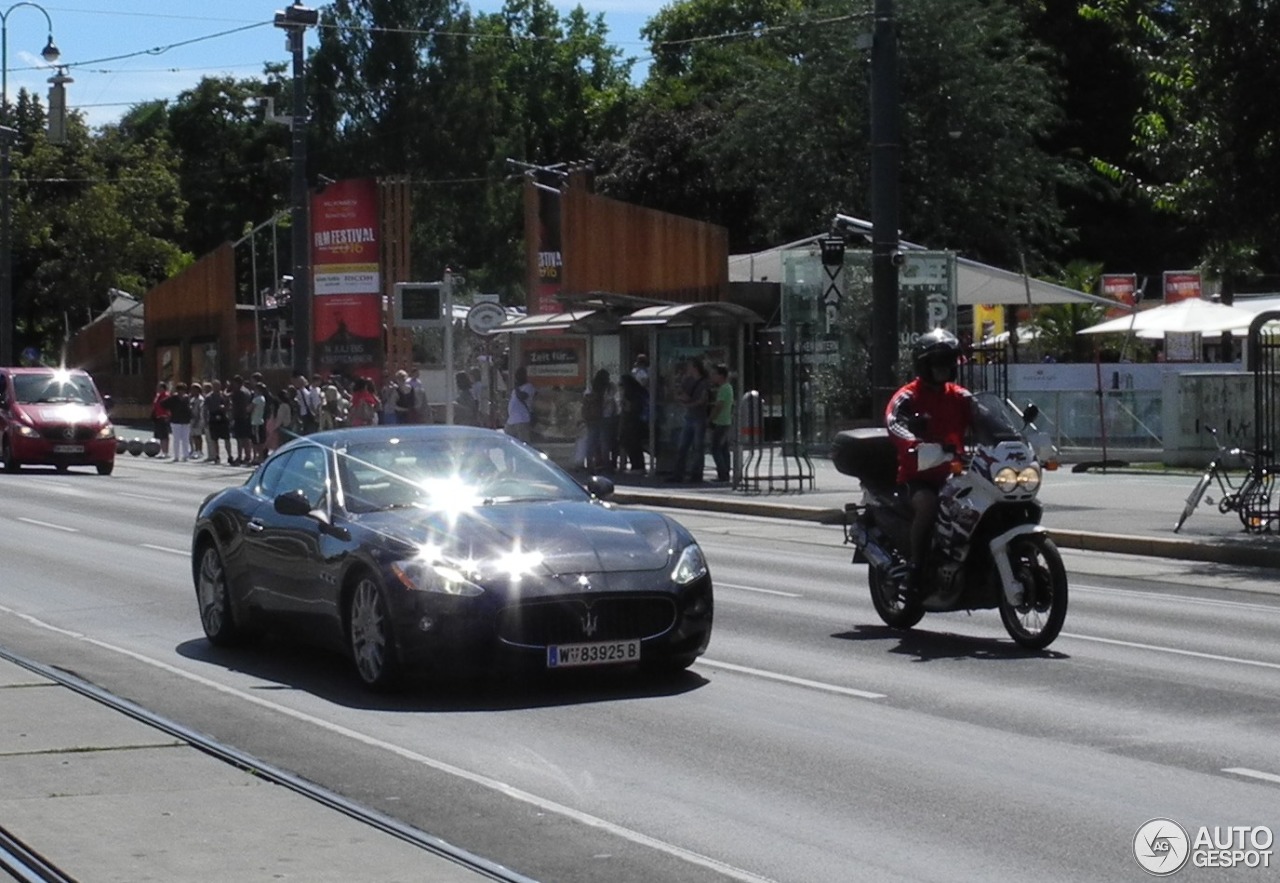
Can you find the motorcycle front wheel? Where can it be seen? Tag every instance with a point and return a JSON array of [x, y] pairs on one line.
[[1037, 565], [886, 597]]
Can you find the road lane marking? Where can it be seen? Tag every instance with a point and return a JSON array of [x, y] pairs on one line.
[[1180, 599], [790, 679], [1197, 654], [484, 781], [720, 585], [1253, 774], [47, 524], [183, 552], [145, 497]]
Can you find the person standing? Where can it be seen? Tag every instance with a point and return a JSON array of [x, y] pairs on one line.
[[160, 418], [695, 395], [306, 405], [633, 423], [258, 423], [721, 421], [198, 426], [466, 410], [520, 408], [179, 408], [389, 415], [364, 404], [241, 428], [218, 408]]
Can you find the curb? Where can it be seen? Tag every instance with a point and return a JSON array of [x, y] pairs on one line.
[[1225, 552]]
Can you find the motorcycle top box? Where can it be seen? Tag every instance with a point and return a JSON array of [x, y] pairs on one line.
[[866, 454]]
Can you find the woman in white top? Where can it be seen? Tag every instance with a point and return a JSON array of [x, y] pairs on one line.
[[520, 408]]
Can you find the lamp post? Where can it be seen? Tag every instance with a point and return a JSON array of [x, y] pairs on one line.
[[295, 20], [7, 136], [884, 205]]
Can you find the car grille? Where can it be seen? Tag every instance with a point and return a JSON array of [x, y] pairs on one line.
[[578, 620], [67, 432]]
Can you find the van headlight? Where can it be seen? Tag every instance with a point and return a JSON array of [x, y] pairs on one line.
[[690, 566]]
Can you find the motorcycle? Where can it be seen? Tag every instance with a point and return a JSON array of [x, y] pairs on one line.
[[988, 549]]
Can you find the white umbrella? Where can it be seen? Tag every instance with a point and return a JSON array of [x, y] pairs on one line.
[[1191, 315]]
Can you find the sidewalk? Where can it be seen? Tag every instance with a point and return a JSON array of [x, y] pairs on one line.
[[103, 796], [1130, 511]]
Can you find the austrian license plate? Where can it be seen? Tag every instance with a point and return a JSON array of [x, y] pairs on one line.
[[68, 449], [603, 653]]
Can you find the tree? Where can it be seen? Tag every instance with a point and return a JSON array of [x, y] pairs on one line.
[[1205, 138]]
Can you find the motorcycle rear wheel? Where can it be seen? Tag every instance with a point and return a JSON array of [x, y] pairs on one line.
[[886, 597], [1037, 564]]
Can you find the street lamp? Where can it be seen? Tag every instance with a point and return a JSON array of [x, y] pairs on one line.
[[295, 20], [7, 137]]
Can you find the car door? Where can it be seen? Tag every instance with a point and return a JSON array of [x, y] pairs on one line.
[[286, 550]]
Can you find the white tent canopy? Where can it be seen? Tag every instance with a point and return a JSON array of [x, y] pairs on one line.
[[1185, 316]]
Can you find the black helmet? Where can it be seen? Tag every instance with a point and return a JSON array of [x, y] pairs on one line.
[[938, 347]]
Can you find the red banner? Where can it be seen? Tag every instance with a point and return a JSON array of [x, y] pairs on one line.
[[550, 264], [1121, 288], [1181, 285], [346, 277]]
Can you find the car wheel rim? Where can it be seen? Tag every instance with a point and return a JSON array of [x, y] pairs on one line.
[[213, 596], [368, 631]]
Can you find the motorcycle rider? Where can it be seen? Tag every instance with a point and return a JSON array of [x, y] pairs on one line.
[[931, 409]]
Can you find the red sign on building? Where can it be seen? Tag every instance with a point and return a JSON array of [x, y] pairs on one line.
[[346, 278], [1121, 288], [1181, 285]]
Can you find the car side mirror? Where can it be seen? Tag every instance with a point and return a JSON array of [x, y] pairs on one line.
[[293, 503], [108, 403], [600, 486]]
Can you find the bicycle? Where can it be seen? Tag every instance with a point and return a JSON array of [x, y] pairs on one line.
[[1250, 500]]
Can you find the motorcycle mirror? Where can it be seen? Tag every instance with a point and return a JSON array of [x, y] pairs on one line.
[[1030, 414]]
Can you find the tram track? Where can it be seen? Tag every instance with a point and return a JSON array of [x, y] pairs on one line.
[[25, 864]]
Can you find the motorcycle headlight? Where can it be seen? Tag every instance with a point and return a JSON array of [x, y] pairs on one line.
[[690, 566], [1006, 479], [1029, 478], [426, 575]]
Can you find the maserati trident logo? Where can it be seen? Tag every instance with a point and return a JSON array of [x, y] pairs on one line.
[[590, 622]]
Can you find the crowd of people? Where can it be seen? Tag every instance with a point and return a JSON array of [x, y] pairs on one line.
[[241, 421]]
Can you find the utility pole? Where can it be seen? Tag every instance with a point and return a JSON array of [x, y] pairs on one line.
[[885, 255], [295, 20]]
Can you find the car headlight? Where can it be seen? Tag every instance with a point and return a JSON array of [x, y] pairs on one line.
[[107, 431], [1006, 479], [26, 431], [690, 566], [425, 575], [1029, 478]]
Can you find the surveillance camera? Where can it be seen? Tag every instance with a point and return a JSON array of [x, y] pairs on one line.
[[897, 258]]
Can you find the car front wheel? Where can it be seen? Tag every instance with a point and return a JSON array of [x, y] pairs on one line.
[[214, 598], [11, 463], [372, 643]]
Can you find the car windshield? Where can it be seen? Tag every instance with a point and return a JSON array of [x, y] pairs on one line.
[[54, 387], [449, 473]]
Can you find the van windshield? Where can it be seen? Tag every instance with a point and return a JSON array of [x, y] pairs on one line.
[[54, 387]]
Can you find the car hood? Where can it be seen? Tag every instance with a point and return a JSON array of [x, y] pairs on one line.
[[63, 412], [572, 537]]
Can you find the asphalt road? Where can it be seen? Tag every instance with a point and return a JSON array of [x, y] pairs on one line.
[[811, 744]]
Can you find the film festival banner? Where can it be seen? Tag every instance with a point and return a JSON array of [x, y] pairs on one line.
[[1181, 285], [346, 277], [1121, 288], [550, 264]]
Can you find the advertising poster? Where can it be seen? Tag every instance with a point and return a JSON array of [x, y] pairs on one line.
[[988, 322], [346, 273], [550, 265], [1121, 288], [1181, 285]]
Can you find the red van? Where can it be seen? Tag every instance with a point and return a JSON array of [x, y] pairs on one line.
[[54, 417]]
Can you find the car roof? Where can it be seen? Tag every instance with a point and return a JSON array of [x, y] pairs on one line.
[[42, 369], [339, 438]]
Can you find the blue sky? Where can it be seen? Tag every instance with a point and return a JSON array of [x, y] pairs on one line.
[[122, 52]]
